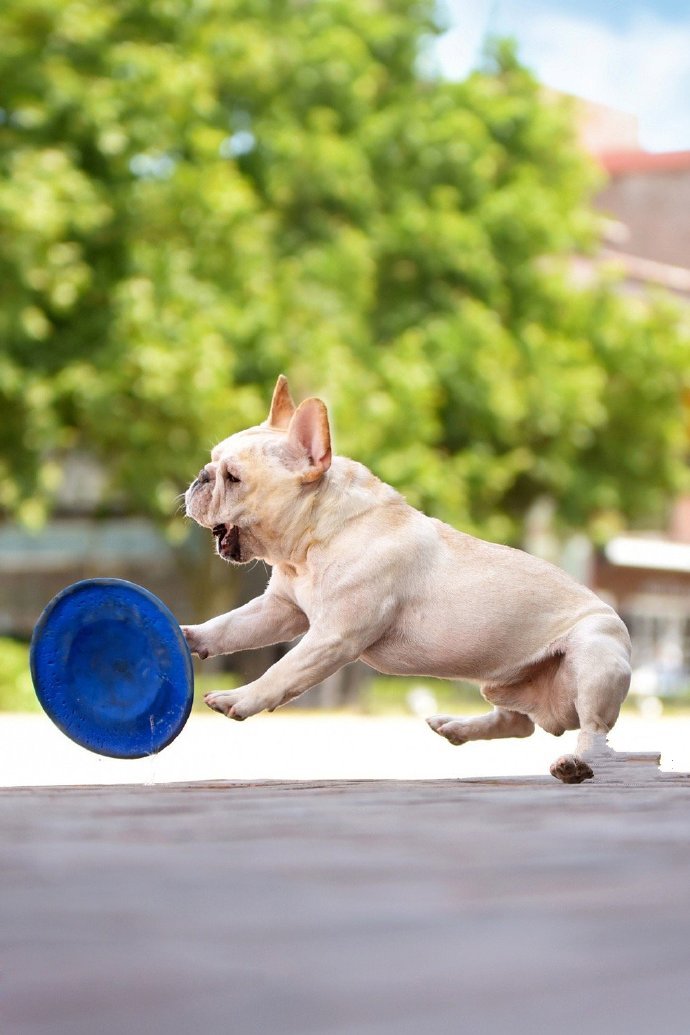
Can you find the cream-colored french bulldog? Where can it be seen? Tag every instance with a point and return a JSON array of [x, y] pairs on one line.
[[358, 573]]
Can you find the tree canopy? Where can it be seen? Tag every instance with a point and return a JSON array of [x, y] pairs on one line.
[[197, 196]]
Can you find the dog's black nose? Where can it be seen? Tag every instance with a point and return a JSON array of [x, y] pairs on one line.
[[203, 476]]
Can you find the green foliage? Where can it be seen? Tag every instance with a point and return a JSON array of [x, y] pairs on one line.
[[389, 695], [197, 196], [207, 682], [16, 689]]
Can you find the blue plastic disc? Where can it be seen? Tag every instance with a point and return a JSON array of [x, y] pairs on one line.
[[112, 669]]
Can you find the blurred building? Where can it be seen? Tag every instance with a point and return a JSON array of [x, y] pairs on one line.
[[646, 201], [35, 566]]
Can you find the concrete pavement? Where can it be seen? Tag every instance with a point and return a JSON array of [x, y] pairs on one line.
[[346, 908], [321, 903]]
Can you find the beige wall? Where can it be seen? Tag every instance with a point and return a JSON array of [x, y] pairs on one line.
[[655, 206]]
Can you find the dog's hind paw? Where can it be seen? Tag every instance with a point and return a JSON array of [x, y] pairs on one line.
[[571, 769], [446, 726]]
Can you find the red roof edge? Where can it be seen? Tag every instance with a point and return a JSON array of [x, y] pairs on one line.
[[618, 163]]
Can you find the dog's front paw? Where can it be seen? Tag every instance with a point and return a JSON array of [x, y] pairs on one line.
[[571, 769], [446, 726], [197, 641], [236, 704]]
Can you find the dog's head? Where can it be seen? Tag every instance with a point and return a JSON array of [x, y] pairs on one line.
[[255, 492]]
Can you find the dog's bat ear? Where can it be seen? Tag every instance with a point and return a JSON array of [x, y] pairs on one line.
[[282, 406], [310, 436]]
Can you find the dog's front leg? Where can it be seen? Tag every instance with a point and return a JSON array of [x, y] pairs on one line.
[[313, 659], [265, 620]]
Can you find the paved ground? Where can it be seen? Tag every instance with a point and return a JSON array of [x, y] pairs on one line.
[[346, 908]]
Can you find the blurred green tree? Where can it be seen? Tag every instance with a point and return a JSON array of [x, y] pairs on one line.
[[196, 196]]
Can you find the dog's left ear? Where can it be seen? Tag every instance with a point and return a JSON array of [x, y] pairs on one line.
[[310, 436], [282, 406]]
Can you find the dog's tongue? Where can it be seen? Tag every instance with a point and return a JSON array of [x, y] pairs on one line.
[[227, 541], [221, 532]]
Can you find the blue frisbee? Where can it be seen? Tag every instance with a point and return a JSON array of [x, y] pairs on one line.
[[112, 669]]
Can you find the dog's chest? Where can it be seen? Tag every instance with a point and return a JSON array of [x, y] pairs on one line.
[[303, 592]]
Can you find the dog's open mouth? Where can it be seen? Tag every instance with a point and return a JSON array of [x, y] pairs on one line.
[[228, 542]]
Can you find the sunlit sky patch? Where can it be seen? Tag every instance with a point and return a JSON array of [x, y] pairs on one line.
[[629, 54]]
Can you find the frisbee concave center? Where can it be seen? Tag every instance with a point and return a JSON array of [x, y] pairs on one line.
[[114, 671]]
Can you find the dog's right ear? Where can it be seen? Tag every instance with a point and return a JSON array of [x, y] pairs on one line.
[[309, 436], [282, 406]]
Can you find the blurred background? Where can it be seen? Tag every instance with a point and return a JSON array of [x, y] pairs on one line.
[[466, 226]]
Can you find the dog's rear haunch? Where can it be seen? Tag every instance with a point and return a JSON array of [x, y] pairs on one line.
[[358, 573]]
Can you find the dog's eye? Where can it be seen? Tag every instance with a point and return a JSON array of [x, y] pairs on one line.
[[230, 477]]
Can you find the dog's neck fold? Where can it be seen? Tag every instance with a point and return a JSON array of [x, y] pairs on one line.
[[346, 491]]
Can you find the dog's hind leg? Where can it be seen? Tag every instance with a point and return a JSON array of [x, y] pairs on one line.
[[499, 723], [597, 667]]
